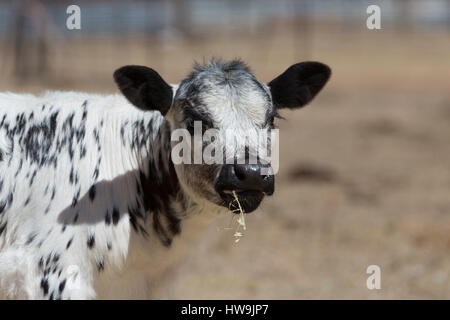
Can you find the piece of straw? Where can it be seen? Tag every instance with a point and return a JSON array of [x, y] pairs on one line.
[[241, 220]]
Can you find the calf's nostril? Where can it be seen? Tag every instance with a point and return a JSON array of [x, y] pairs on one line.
[[247, 177], [239, 173]]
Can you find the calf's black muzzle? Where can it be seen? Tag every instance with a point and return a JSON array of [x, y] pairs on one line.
[[250, 182]]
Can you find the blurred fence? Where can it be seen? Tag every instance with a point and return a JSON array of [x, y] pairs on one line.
[[33, 33]]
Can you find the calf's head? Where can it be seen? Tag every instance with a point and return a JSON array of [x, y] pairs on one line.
[[224, 115]]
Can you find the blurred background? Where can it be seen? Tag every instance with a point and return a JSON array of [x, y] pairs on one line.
[[364, 173]]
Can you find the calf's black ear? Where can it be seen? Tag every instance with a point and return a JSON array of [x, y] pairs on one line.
[[144, 88], [299, 84]]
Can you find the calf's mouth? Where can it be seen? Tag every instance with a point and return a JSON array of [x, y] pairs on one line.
[[249, 185]]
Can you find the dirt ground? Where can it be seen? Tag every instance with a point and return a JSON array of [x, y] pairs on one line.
[[364, 170]]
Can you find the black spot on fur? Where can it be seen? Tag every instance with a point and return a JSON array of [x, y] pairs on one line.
[[115, 216], [91, 241], [76, 196], [2, 228], [107, 218], [56, 258], [83, 151], [27, 201], [53, 193], [84, 116], [19, 169], [92, 193], [10, 199], [44, 286], [62, 285], [38, 139], [69, 243], [47, 262], [100, 265], [30, 239], [96, 173], [32, 177], [71, 176]]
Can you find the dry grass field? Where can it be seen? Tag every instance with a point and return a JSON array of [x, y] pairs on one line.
[[364, 171]]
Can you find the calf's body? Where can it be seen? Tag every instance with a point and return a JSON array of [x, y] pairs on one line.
[[88, 204]]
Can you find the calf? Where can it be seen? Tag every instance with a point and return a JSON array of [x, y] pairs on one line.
[[91, 202]]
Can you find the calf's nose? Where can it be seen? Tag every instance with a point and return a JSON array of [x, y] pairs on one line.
[[247, 177]]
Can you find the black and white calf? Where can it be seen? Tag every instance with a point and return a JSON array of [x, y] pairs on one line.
[[91, 204]]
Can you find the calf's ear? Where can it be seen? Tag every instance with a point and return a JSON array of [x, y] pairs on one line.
[[299, 84], [144, 88]]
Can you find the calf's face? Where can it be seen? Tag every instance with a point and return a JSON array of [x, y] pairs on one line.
[[221, 118]]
